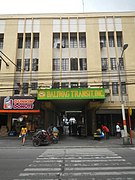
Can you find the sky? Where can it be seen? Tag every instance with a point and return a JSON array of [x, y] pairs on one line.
[[64, 6]]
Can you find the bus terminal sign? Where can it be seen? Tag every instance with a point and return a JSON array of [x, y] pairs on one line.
[[71, 93]]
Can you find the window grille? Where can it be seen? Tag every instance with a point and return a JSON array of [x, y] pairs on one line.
[[74, 64]]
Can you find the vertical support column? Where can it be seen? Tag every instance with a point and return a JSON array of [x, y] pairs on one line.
[[46, 119], [93, 118], [9, 121], [91, 121]]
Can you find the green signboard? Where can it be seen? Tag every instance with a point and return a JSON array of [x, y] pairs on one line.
[[71, 93]]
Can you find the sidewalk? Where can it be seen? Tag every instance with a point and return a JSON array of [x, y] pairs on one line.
[[66, 142]]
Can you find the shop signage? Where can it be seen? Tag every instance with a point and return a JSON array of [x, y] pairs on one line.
[[18, 103], [71, 93]]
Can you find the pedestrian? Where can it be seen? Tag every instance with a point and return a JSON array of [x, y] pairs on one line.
[[55, 132], [106, 131], [118, 130], [23, 134]]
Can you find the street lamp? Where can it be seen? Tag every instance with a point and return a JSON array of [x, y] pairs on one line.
[[125, 134]]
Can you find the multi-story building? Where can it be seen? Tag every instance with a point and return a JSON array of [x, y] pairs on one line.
[[54, 66]]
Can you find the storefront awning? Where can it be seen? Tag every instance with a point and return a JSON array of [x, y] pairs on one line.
[[19, 111]]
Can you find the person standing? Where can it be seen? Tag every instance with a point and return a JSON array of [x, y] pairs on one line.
[[23, 134], [106, 131], [118, 130]]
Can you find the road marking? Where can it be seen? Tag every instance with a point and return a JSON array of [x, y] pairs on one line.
[[80, 169], [80, 164], [81, 174]]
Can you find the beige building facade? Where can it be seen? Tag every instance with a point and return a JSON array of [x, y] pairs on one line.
[[61, 51]]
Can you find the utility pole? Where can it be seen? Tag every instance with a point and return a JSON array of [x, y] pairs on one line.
[[125, 134]]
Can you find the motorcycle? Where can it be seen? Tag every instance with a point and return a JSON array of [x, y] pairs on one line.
[[98, 135], [53, 137], [41, 137]]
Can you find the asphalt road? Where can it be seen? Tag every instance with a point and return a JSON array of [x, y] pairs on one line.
[[67, 163]]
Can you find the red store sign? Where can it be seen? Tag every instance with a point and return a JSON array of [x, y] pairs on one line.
[[18, 103]]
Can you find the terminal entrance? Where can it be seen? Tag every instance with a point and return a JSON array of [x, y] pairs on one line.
[[72, 109], [73, 116]]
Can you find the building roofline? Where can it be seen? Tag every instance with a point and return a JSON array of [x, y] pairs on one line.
[[58, 15]]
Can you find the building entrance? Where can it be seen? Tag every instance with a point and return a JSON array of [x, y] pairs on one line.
[[74, 104]]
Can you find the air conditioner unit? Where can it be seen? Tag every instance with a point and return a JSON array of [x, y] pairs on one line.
[[63, 46], [58, 45], [107, 91], [101, 44]]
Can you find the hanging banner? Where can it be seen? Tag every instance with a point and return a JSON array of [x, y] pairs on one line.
[[71, 93]]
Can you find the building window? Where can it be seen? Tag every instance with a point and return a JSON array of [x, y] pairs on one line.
[[115, 88], [73, 40], [18, 64], [56, 40], [83, 64], [119, 39], [16, 92], [111, 39], [34, 85], [84, 84], [123, 87], [17, 89], [104, 64], [20, 40], [25, 88], [56, 64], [121, 63], [65, 64], [64, 84], [28, 40], [102, 39], [105, 85], [35, 64], [64, 40], [1, 40], [82, 40], [74, 84], [26, 64], [36, 40], [56, 85], [74, 64], [113, 63]]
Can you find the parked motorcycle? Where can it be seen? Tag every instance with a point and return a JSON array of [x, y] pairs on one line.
[[53, 137], [98, 135], [41, 137]]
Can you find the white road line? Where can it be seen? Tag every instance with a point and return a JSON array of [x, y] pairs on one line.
[[110, 173], [99, 168], [42, 169], [96, 160], [94, 164], [82, 157], [77, 155], [79, 161], [119, 173], [81, 169], [39, 174]]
